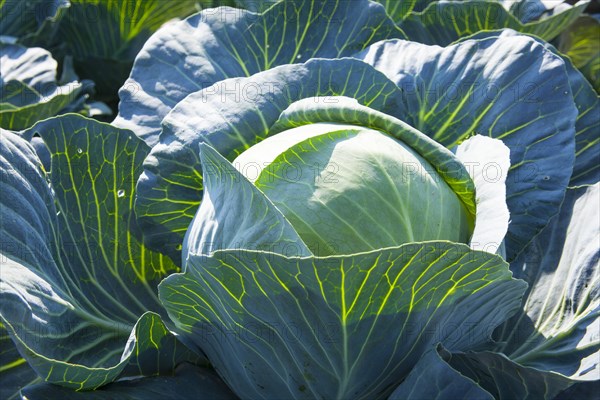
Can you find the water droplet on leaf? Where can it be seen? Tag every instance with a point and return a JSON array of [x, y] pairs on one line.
[[121, 193]]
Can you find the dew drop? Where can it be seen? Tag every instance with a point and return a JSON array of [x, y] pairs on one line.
[[566, 92], [299, 56], [546, 178], [121, 193], [80, 150]]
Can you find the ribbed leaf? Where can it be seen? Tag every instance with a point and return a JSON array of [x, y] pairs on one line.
[[506, 379], [507, 87], [399, 9], [336, 327], [586, 170], [15, 373], [76, 283], [557, 330], [104, 36], [444, 375], [443, 22], [214, 45]]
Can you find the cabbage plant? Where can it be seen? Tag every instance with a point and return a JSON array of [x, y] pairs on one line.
[[442, 22], [309, 213], [313, 290], [30, 89]]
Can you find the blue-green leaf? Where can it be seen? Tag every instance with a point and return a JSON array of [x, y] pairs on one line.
[[557, 329], [443, 22], [217, 44], [506, 379], [189, 382], [444, 375], [104, 36], [336, 327], [434, 379], [586, 170], [15, 374], [508, 87], [580, 390], [32, 22], [76, 284], [29, 91], [399, 9]]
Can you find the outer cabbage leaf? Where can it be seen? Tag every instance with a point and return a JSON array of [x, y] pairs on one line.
[[170, 188], [347, 326], [188, 382], [443, 22], [222, 43], [32, 22], [104, 36], [586, 170], [433, 378], [29, 91], [581, 42], [506, 379], [580, 390], [445, 375], [15, 373], [493, 86], [557, 329], [76, 284]]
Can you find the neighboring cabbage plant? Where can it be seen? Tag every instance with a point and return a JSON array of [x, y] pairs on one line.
[[581, 42], [103, 37], [30, 90], [442, 22]]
